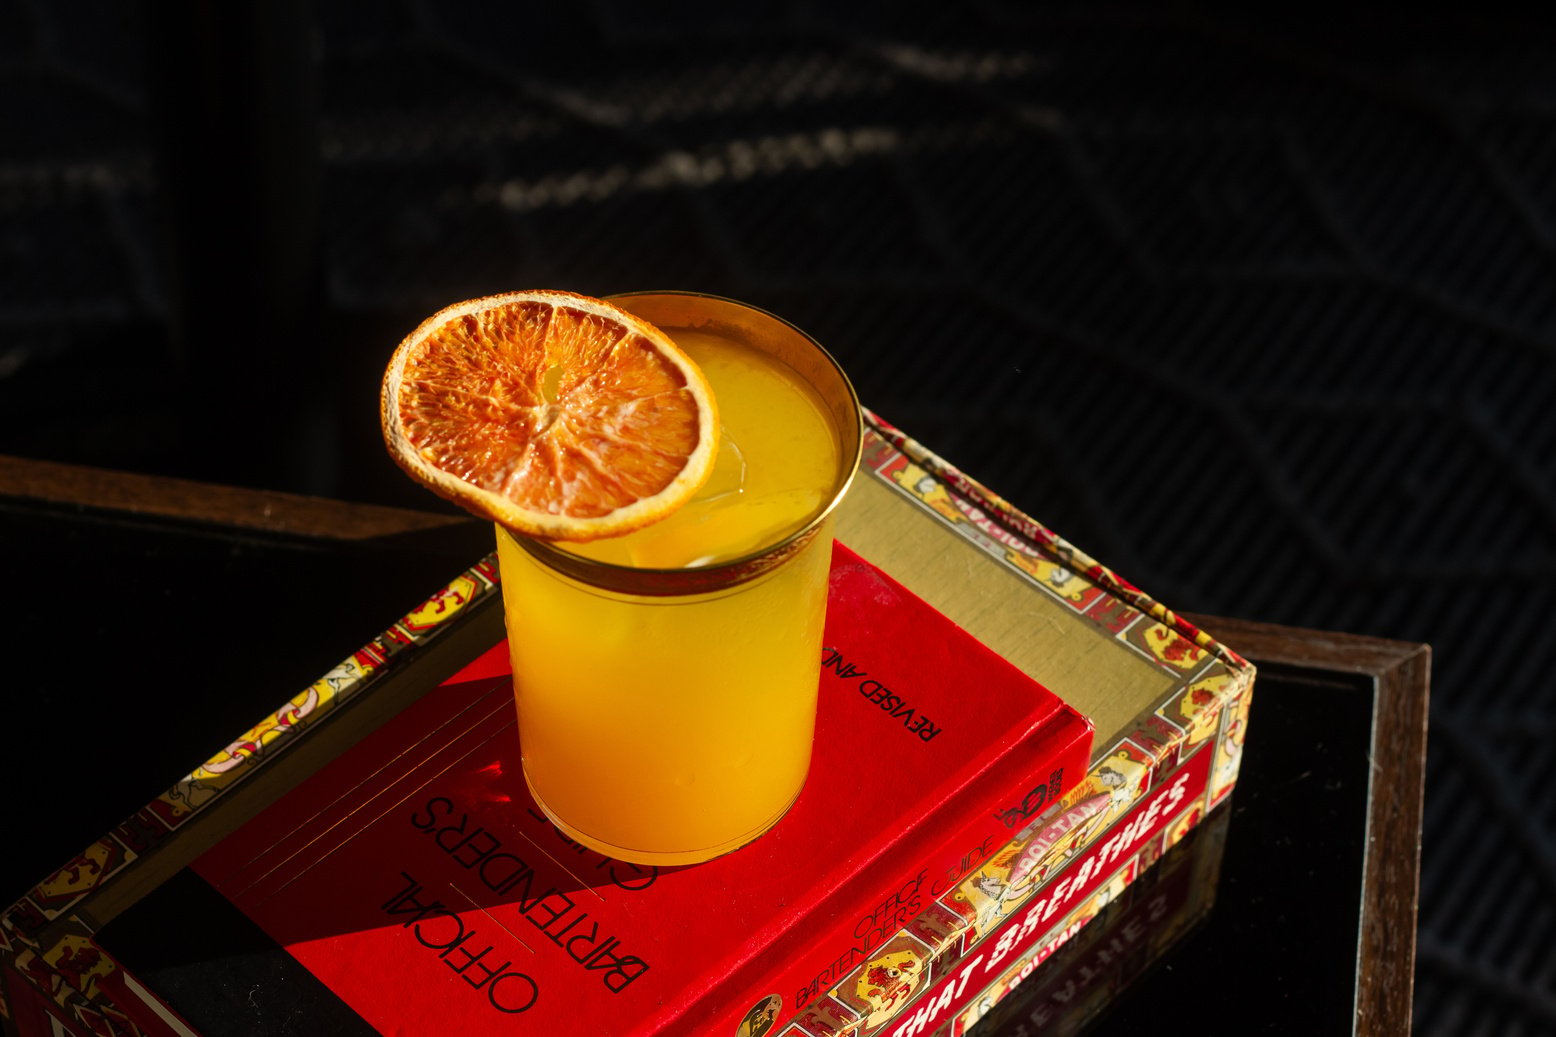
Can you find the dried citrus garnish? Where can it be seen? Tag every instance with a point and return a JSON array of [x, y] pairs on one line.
[[557, 415]]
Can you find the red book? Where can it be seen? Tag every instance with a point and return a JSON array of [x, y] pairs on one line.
[[412, 886]]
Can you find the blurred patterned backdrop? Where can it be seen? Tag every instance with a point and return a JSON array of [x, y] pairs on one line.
[[1258, 311]]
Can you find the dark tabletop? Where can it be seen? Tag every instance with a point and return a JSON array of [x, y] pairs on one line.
[[162, 617]]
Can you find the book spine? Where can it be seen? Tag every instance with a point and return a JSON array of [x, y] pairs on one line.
[[1064, 978], [1062, 909], [149, 1014], [958, 966], [942, 860], [26, 1010], [64, 994]]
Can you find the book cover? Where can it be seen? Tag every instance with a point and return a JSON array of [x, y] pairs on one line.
[[1159, 691], [414, 878]]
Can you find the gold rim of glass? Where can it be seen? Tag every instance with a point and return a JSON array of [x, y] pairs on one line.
[[773, 334]]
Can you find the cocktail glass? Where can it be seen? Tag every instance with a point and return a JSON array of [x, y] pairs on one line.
[[666, 680]]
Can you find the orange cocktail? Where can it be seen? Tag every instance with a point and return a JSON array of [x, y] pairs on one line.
[[666, 679]]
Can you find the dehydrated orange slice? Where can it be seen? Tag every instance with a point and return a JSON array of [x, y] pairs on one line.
[[557, 415]]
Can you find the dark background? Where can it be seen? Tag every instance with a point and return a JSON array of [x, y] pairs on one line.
[[1255, 308]]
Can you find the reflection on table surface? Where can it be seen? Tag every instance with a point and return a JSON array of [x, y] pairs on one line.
[[1068, 987]]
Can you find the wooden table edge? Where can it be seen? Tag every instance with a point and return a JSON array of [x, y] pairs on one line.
[[1400, 676], [157, 496]]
